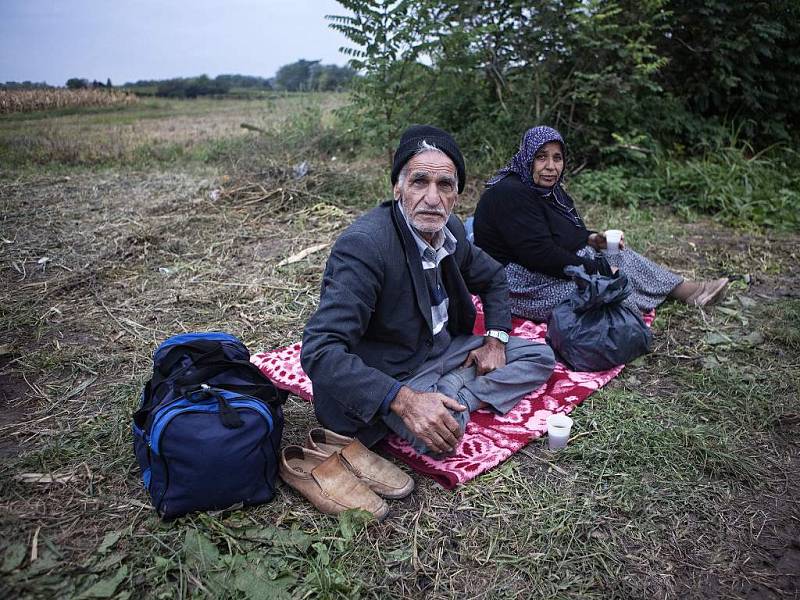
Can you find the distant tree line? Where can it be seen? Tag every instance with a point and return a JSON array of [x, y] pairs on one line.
[[301, 76], [245, 81], [310, 75], [76, 83], [24, 85], [192, 87], [73, 83]]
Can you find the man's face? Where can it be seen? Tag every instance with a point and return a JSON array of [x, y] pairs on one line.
[[428, 192]]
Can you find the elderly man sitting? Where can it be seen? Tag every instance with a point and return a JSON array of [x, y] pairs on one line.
[[391, 346]]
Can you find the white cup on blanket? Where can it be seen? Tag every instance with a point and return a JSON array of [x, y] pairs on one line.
[[558, 428], [613, 238]]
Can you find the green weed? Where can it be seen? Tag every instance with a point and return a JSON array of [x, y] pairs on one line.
[[784, 324], [663, 485], [729, 182]]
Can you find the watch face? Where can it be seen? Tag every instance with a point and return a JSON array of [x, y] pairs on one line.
[[500, 335]]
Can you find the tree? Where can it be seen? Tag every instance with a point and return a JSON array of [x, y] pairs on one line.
[[330, 78], [737, 61], [296, 76], [615, 76], [392, 39], [489, 70], [76, 83]]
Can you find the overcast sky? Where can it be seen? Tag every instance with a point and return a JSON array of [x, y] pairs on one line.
[[128, 40]]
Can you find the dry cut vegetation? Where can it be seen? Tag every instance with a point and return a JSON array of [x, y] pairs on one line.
[[54, 99], [682, 480]]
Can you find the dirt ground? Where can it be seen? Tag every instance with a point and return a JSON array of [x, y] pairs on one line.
[[98, 266]]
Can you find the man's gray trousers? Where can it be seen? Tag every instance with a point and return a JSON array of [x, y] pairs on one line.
[[528, 365]]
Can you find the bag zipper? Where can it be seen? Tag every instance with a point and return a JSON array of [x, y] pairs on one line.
[[165, 416]]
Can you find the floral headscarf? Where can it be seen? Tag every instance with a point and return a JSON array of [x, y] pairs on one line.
[[520, 165], [532, 141]]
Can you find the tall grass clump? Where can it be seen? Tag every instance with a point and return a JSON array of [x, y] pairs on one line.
[[735, 185], [763, 189]]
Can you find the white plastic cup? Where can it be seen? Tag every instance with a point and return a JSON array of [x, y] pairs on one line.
[[558, 428], [613, 238]]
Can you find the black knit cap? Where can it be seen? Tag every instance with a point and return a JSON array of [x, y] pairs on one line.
[[409, 144]]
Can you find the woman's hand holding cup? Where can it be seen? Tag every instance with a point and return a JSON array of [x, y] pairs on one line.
[[597, 241], [612, 241], [615, 241]]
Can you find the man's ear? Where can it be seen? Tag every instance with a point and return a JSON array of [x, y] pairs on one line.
[[396, 191]]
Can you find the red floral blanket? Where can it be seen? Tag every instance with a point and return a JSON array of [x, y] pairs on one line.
[[490, 438]]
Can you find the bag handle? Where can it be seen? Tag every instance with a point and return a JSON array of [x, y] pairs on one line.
[[197, 350], [176, 353], [266, 391]]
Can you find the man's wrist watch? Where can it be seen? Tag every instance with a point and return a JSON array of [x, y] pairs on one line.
[[498, 335]]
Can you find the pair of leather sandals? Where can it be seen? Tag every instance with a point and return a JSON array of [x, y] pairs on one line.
[[337, 473]]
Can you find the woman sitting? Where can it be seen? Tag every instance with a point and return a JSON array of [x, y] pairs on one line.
[[527, 222]]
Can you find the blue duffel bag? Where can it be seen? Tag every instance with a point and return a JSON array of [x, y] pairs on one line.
[[208, 429]]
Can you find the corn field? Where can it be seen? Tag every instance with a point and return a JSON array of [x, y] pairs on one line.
[[48, 99]]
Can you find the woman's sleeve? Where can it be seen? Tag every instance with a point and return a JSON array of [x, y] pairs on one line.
[[528, 233]]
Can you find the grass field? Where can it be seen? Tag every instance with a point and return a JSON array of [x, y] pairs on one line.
[[121, 227], [153, 132]]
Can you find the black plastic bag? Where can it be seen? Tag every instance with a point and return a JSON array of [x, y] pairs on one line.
[[593, 330]]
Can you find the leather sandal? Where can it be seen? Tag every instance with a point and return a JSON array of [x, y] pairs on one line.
[[712, 292], [326, 482], [380, 475], [700, 293]]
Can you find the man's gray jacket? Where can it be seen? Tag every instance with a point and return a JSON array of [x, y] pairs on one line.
[[373, 325]]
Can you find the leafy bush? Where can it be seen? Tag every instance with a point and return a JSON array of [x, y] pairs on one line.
[[614, 185], [735, 60], [738, 189], [623, 82]]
